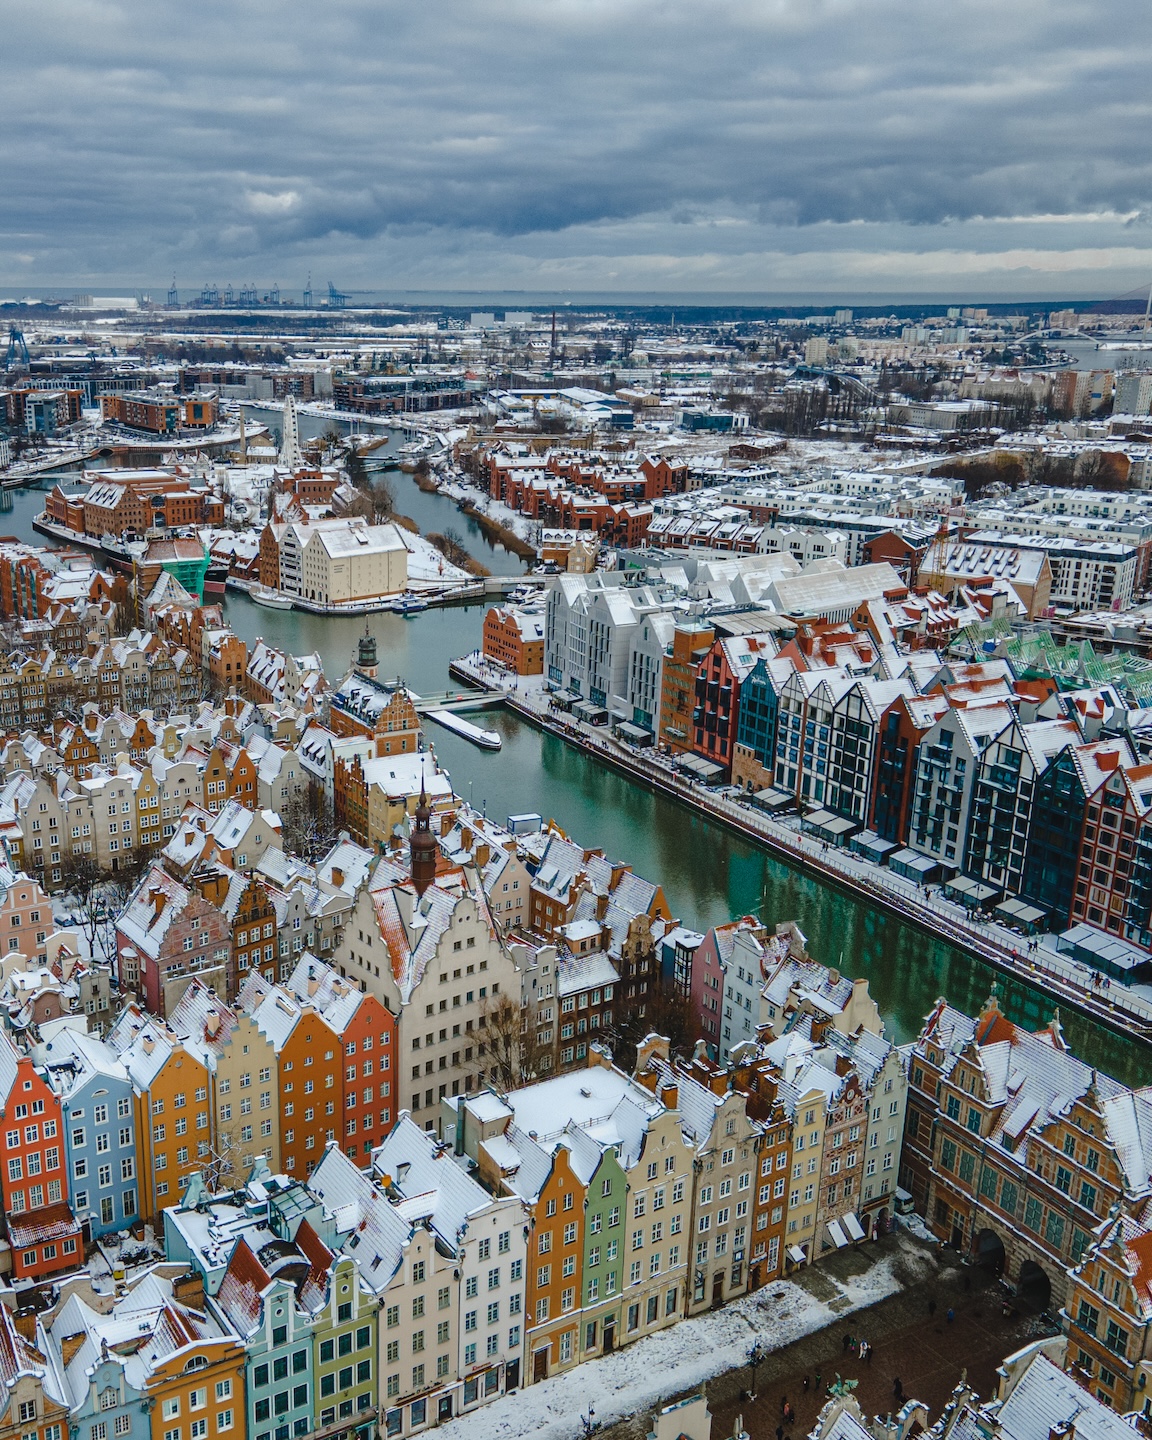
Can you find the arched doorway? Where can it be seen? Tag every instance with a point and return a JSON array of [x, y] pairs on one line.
[[1033, 1288], [988, 1252]]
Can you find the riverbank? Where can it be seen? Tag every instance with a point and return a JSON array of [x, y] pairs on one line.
[[1068, 983]]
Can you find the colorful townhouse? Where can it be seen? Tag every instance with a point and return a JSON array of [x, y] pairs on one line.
[[241, 1065], [276, 1332], [173, 1118], [309, 1071], [366, 1029], [485, 1236], [98, 1112], [100, 1381], [41, 1228], [32, 1399], [608, 1250]]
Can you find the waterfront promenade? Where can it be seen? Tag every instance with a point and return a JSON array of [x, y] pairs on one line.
[[1126, 1010]]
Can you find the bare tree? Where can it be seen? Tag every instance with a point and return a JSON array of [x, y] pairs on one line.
[[509, 1045], [383, 499], [307, 823], [98, 894]]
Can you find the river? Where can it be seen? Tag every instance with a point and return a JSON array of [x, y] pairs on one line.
[[709, 875], [433, 513]]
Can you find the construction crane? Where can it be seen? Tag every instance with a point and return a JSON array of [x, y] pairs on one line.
[[339, 298], [210, 295], [273, 296], [248, 294], [307, 296], [229, 297], [17, 348], [173, 297]]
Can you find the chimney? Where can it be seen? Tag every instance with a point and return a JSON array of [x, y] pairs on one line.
[[337, 876], [466, 837], [188, 1290], [842, 1065], [601, 906], [212, 1024], [1063, 1430], [670, 1096], [313, 985], [157, 897], [447, 820], [482, 855], [149, 1044]]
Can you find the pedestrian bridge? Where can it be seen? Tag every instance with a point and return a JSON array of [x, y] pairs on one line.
[[459, 700]]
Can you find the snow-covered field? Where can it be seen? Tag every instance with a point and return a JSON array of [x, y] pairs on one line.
[[643, 1376], [425, 562]]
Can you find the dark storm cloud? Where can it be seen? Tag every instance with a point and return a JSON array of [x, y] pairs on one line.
[[143, 136]]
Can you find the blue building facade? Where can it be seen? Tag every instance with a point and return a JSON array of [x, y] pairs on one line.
[[759, 707], [99, 1131]]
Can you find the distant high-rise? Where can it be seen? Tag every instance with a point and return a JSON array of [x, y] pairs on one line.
[[290, 443]]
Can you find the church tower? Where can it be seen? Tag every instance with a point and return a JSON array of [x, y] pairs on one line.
[[422, 845]]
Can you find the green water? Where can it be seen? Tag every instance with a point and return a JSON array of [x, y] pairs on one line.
[[708, 874]]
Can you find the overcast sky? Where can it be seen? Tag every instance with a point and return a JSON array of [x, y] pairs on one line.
[[786, 147]]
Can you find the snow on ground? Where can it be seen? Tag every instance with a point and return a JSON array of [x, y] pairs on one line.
[[644, 1375], [425, 562]]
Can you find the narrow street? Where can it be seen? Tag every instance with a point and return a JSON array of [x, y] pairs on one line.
[[927, 1352]]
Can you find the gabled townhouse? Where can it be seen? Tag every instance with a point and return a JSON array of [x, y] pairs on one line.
[[241, 1064], [725, 1141], [754, 754], [34, 1399], [719, 678], [166, 934], [1000, 819], [1065, 792], [366, 1029], [486, 1237], [173, 1118], [42, 1231], [1031, 1150], [607, 1262], [432, 953], [101, 1385], [947, 762], [98, 1120], [727, 980], [853, 744], [308, 1072], [410, 1285], [1108, 1313]]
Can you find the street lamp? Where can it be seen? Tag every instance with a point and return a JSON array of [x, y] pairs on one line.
[[588, 1423], [756, 1354]]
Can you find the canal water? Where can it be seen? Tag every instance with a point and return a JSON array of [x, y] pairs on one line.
[[709, 875], [435, 514]]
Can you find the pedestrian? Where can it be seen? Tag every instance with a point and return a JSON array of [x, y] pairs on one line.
[[789, 1415], [779, 1432], [932, 1306], [951, 1316], [868, 1357], [818, 1382], [897, 1387], [784, 1406], [806, 1383], [847, 1342]]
